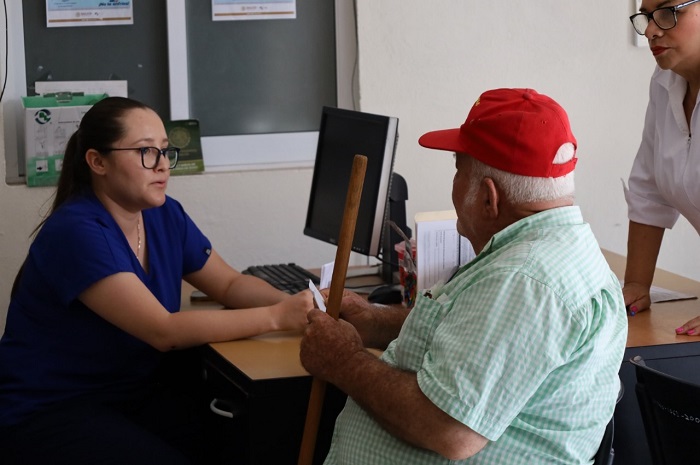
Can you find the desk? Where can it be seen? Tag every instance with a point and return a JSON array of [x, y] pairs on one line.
[[651, 335], [266, 374], [267, 371], [276, 401]]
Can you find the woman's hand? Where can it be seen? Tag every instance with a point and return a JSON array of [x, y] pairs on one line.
[[691, 328], [637, 297], [291, 312]]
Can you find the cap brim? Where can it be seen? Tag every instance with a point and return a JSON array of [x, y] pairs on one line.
[[445, 139]]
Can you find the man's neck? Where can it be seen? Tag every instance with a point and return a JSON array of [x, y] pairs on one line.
[[527, 209], [512, 213]]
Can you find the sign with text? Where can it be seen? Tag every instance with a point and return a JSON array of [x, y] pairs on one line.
[[236, 10], [71, 13]]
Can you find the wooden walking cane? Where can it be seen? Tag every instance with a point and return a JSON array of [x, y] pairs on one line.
[[335, 296]]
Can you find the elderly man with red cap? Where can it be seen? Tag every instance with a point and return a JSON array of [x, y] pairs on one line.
[[515, 359]]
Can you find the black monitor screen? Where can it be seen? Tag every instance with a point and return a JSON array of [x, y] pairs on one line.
[[342, 135]]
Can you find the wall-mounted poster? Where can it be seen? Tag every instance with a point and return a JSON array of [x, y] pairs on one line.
[[233, 10], [71, 13]]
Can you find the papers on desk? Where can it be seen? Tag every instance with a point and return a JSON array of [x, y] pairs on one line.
[[440, 250], [361, 279], [660, 294], [326, 275]]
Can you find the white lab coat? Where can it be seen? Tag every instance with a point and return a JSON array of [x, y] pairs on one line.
[[665, 177]]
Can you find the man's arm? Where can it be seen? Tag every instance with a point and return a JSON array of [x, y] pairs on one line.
[[377, 325], [333, 350]]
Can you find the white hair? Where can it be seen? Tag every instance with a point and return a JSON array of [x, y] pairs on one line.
[[524, 189]]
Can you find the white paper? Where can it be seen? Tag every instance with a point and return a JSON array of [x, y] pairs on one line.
[[326, 275], [659, 294], [318, 298], [439, 248], [111, 88], [241, 10]]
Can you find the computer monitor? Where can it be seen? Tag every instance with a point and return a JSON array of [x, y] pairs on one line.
[[342, 135]]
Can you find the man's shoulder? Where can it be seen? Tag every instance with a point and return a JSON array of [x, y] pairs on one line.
[[570, 265]]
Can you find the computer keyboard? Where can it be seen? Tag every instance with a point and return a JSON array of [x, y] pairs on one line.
[[288, 277]]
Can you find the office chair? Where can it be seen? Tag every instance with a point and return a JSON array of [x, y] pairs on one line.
[[670, 409], [606, 454]]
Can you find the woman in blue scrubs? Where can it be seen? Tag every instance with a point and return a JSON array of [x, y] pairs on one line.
[[94, 321]]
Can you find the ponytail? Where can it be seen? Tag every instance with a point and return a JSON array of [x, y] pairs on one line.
[[100, 127]]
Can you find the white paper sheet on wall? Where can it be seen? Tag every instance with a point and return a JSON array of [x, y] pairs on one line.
[[111, 88]]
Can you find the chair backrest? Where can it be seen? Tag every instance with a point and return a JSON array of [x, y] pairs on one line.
[[670, 409], [606, 454]]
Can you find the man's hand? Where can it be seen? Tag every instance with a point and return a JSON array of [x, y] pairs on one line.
[[328, 345], [376, 324], [357, 311]]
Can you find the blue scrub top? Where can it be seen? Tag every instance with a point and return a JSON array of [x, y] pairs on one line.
[[54, 347]]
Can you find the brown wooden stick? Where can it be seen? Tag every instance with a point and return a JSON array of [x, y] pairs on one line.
[[335, 297]]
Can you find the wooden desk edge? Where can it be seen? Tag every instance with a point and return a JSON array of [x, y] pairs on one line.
[[650, 328], [267, 356], [657, 325]]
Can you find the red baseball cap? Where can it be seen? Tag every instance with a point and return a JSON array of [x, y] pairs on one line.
[[513, 130]]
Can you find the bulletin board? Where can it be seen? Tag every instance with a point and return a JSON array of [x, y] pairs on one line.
[[244, 77], [136, 53], [262, 76]]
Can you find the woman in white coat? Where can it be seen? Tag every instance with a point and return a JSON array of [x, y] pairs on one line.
[[665, 179]]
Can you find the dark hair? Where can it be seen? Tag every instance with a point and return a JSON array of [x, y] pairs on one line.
[[101, 126]]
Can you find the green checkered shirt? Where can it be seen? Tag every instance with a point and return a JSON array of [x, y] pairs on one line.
[[523, 346]]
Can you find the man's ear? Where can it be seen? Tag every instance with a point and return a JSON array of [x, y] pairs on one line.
[[490, 198], [95, 161]]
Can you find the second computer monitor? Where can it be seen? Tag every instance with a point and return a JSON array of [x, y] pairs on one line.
[[342, 135]]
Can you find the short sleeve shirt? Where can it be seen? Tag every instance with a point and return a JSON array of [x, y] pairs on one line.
[[55, 348], [523, 346]]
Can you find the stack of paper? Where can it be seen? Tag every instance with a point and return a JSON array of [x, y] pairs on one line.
[[440, 250]]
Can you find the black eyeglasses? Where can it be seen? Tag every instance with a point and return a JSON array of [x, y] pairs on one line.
[[664, 17], [150, 156]]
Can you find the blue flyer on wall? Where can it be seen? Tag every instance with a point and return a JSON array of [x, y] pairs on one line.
[[71, 13]]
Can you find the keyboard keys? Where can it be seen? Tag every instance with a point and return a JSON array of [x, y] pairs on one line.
[[288, 277]]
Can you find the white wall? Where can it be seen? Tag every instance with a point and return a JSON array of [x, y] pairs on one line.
[[427, 65], [427, 62]]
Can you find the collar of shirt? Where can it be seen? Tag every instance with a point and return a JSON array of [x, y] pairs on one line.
[[529, 225], [533, 223]]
